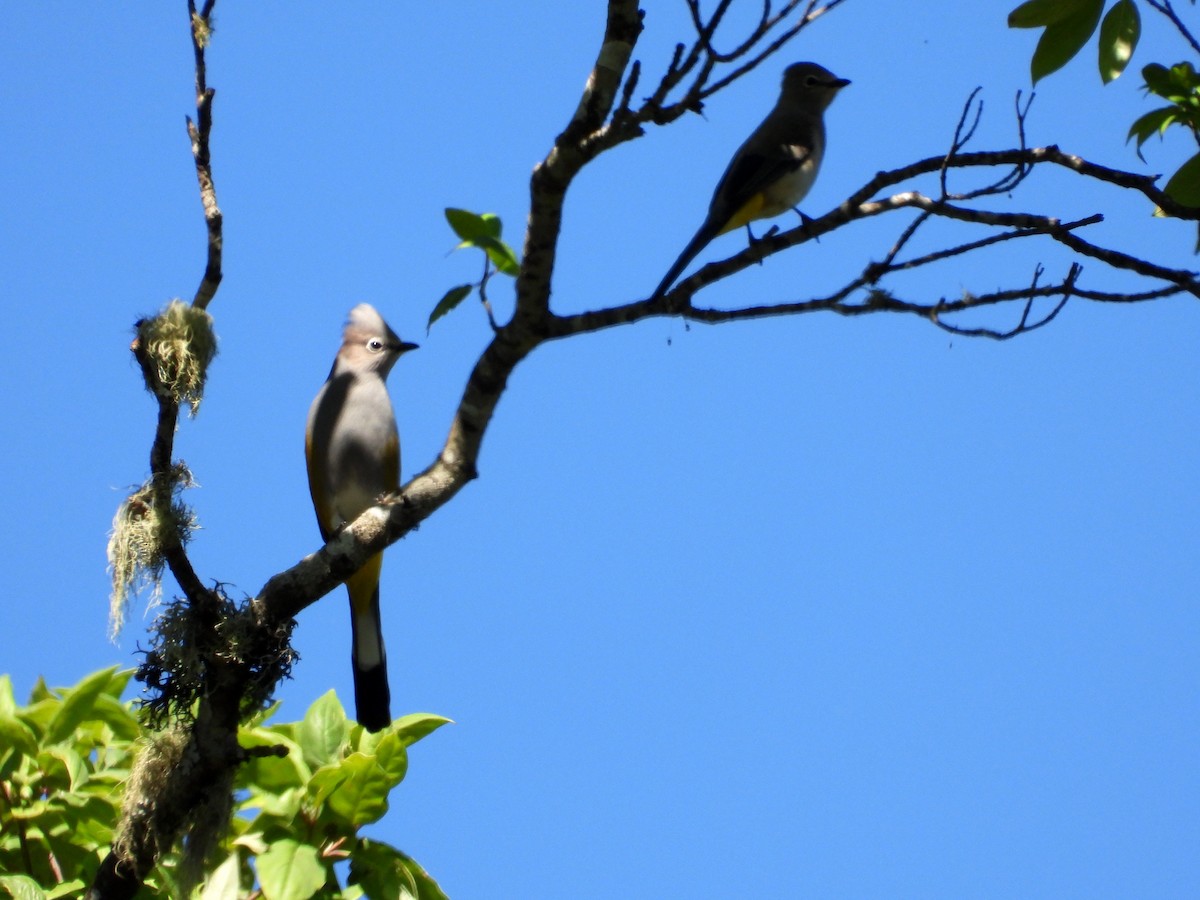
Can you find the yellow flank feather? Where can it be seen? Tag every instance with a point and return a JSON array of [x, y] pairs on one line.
[[391, 463], [362, 583], [751, 210], [316, 486]]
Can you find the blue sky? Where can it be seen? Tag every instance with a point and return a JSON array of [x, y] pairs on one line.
[[806, 607]]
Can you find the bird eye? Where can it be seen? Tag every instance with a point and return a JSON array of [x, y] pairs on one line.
[[374, 345], [811, 80]]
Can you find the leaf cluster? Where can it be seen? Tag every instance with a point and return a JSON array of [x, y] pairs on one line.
[[302, 797], [1067, 26], [1180, 87], [63, 760], [305, 794], [481, 231]]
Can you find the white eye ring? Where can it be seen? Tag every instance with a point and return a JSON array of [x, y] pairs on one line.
[[374, 345]]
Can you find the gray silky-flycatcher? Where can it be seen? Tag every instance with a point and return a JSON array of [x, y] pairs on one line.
[[774, 169], [353, 453]]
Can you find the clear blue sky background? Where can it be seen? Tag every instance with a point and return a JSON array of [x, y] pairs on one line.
[[808, 607]]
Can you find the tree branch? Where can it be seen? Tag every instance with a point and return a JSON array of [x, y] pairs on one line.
[[551, 177], [211, 748], [1167, 9], [199, 134]]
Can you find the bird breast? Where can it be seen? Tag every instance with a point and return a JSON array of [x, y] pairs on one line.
[[787, 192]]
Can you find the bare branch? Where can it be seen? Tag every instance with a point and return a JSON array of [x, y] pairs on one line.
[[810, 15], [962, 135], [971, 246], [198, 133], [705, 31], [621, 33], [572, 149], [1023, 326], [1184, 279], [656, 109], [1143, 184], [1167, 9]]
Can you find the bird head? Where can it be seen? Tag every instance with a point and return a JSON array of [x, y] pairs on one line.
[[368, 344], [810, 84]]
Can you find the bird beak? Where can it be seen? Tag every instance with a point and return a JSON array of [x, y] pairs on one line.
[[840, 82], [405, 346]]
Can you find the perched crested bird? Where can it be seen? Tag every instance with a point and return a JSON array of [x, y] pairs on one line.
[[353, 453], [776, 166]]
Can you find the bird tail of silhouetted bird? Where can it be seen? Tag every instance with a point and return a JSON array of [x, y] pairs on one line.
[[372, 696], [706, 233]]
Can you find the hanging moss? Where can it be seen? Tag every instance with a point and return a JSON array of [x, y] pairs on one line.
[[140, 531], [180, 343]]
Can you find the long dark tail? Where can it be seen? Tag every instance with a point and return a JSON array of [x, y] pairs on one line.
[[706, 233], [372, 697]]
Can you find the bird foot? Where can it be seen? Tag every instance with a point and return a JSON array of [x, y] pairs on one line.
[[806, 222]]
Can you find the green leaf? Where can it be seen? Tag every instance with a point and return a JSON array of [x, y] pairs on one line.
[[379, 869], [427, 888], [272, 773], [1184, 186], [1180, 84], [503, 257], [322, 733], [78, 705], [392, 758], [225, 882], [73, 766], [40, 691], [470, 227], [362, 797], [492, 223], [483, 231], [118, 716], [324, 782], [290, 870], [450, 299], [284, 805], [118, 683], [1154, 121], [16, 734], [411, 728], [8, 701], [66, 889], [386, 872], [21, 887], [252, 841], [1040, 13], [1119, 34], [1064, 38]]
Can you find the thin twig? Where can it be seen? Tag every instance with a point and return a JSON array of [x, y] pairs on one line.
[[1184, 279], [483, 297], [1165, 7], [962, 136], [198, 133], [810, 15], [1022, 327]]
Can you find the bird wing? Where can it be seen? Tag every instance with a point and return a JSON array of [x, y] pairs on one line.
[[317, 483], [739, 198]]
